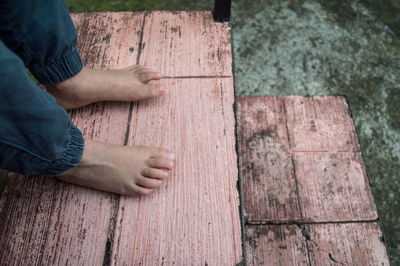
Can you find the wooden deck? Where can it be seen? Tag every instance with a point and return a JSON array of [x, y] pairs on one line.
[[307, 199], [193, 219], [306, 196]]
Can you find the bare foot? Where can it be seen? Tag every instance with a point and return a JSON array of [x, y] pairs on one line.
[[90, 85], [120, 169]]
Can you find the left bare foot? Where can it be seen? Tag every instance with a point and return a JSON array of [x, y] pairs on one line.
[[90, 85]]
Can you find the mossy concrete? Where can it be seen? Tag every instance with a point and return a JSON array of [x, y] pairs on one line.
[[338, 47], [135, 5]]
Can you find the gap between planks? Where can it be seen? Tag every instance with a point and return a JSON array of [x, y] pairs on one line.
[[299, 222], [113, 220], [311, 250], [195, 77]]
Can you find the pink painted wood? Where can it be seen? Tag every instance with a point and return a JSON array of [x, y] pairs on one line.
[[346, 244], [193, 218], [330, 184], [45, 221], [186, 44], [320, 124], [330, 172], [266, 163], [333, 187], [316, 244], [275, 245]]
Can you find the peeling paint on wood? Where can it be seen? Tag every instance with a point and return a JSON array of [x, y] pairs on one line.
[[275, 245], [49, 222], [194, 216], [316, 136], [334, 187], [266, 164], [330, 184], [346, 244], [315, 244], [186, 44], [320, 124]]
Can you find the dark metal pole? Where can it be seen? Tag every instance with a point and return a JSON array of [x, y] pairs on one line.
[[222, 10]]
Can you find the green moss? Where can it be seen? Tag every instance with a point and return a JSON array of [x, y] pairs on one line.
[[393, 110], [386, 11], [341, 11], [135, 5]]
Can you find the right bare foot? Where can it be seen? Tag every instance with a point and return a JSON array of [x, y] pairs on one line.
[[91, 85], [120, 169]]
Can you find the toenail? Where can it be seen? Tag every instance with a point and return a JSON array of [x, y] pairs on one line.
[[159, 181], [160, 89], [170, 155]]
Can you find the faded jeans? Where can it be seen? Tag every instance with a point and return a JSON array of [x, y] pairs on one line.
[[36, 135]]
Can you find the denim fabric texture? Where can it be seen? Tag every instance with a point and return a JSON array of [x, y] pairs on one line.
[[36, 135]]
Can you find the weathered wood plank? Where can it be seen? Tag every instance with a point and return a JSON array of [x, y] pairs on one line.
[[186, 44], [315, 244], [49, 222], [330, 183], [333, 187], [320, 124], [193, 218], [266, 164], [346, 244], [275, 245]]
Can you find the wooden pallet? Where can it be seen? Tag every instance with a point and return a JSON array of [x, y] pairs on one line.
[[193, 218], [307, 199]]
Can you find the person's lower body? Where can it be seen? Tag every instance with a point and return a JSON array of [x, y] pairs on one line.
[[36, 135]]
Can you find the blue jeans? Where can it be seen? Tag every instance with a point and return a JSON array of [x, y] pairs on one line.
[[36, 135]]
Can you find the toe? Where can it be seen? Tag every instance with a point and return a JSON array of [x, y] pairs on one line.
[[163, 153], [151, 183], [163, 163], [143, 69], [154, 173], [147, 76], [138, 190], [155, 90]]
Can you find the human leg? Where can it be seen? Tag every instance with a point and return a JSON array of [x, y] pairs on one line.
[[43, 35], [135, 170], [37, 137]]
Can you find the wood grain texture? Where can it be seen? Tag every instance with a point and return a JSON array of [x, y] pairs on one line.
[[311, 134], [275, 245], [48, 222], [316, 244], [193, 218], [346, 244], [330, 184], [187, 44], [266, 164], [320, 124], [334, 187]]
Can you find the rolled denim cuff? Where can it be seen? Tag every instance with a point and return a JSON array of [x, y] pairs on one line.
[[72, 154], [58, 70]]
